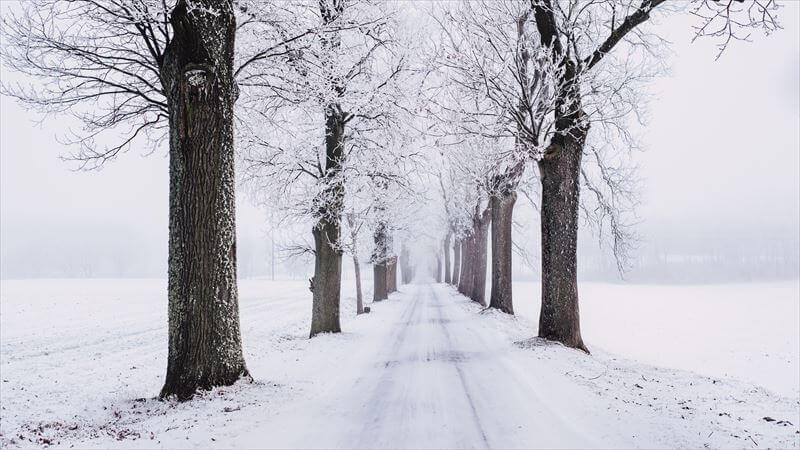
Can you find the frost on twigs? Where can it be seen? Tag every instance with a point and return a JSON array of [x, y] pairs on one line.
[[196, 77]]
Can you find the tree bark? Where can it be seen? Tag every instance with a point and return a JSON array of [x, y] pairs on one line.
[[480, 254], [465, 279], [391, 275], [456, 261], [502, 205], [380, 263], [447, 276], [327, 282], [438, 269], [560, 176], [205, 345], [379, 275]]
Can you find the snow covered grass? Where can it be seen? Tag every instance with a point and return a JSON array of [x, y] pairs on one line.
[[81, 361]]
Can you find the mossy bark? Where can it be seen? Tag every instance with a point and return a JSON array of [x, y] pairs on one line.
[[205, 346]]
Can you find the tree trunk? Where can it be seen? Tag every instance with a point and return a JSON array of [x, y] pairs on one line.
[[438, 269], [502, 205], [559, 318], [326, 284], [391, 275], [205, 345], [379, 275], [380, 263], [447, 277], [405, 263], [465, 279], [359, 297], [479, 273], [327, 281], [456, 261]]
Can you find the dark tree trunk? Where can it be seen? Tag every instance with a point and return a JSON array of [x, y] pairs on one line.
[[380, 263], [456, 261], [205, 345], [379, 275], [447, 276], [438, 269], [502, 205], [560, 171], [479, 273], [327, 282]]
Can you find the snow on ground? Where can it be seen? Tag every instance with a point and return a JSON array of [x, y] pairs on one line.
[[746, 331], [80, 362]]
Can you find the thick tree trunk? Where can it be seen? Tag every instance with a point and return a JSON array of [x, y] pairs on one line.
[[479, 273], [559, 318], [379, 277], [205, 346], [456, 261], [502, 205], [359, 297], [438, 269], [326, 284], [327, 281], [447, 276]]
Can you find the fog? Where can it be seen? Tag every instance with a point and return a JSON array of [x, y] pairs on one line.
[[720, 193]]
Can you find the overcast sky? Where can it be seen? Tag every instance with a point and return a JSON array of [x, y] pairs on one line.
[[722, 155]]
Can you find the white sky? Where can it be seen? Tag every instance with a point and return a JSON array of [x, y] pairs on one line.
[[722, 153]]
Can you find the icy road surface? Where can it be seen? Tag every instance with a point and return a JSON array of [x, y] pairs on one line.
[[81, 361]]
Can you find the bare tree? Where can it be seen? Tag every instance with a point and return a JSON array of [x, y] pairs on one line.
[[355, 227], [343, 73], [580, 39], [528, 76], [148, 71]]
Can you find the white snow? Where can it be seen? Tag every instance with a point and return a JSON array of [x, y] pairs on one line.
[[82, 359], [746, 331]]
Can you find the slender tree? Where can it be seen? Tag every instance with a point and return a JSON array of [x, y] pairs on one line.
[[341, 72]]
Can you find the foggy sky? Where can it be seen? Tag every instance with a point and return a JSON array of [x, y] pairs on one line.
[[722, 159]]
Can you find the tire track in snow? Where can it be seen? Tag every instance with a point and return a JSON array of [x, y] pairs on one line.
[[459, 368]]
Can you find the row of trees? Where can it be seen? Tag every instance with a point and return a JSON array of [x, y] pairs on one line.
[[310, 91], [322, 105], [550, 86]]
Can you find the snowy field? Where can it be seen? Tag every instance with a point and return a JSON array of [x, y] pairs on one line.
[[688, 366]]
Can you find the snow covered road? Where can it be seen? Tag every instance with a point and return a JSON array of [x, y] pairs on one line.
[[426, 369], [438, 380]]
